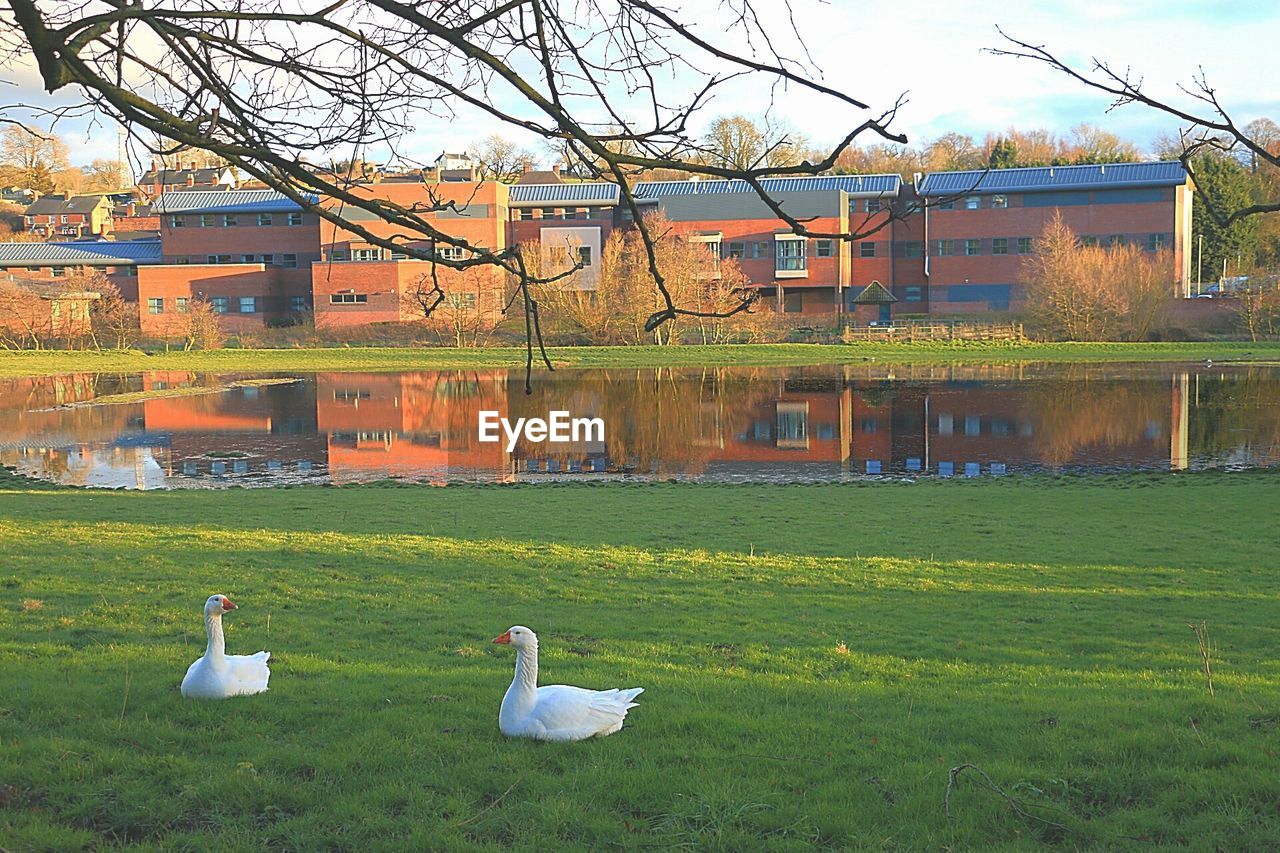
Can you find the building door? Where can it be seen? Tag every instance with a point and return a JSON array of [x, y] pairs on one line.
[[885, 318]]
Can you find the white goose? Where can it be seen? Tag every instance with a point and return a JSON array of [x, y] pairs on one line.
[[217, 674], [556, 712]]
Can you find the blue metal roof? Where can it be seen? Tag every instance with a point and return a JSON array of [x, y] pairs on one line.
[[594, 193], [230, 201], [859, 185], [91, 253], [1043, 178]]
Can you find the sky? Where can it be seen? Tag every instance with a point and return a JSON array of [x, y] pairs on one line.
[[935, 53]]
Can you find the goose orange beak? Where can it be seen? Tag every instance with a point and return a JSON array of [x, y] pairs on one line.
[[227, 605], [504, 639]]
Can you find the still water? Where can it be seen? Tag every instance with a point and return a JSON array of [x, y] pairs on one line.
[[826, 423]]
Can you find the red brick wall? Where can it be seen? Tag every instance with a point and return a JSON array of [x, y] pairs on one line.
[[195, 243], [168, 282], [388, 287]]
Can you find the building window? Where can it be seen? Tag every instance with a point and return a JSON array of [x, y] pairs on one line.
[[246, 259], [219, 303], [913, 249], [973, 247], [264, 218], [1088, 240], [462, 300], [368, 254], [1000, 245], [584, 257], [736, 250], [177, 221], [524, 213], [999, 201], [338, 255], [295, 218], [1155, 242], [155, 305], [790, 256], [947, 204], [913, 293], [58, 272], [946, 247], [208, 220], [298, 304], [823, 249], [248, 304], [348, 298], [130, 271], [1024, 245], [874, 205], [451, 253], [793, 303], [228, 220], [582, 213], [181, 304], [759, 251], [1117, 240], [867, 250], [289, 261], [972, 202], [269, 260]]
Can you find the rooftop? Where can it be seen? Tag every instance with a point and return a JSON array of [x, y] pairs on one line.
[[859, 185], [83, 204], [1044, 178], [89, 252], [219, 201], [599, 192]]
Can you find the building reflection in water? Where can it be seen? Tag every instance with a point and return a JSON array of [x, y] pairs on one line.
[[741, 424]]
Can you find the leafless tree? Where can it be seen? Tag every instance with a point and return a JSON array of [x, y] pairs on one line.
[[264, 84], [500, 159], [1206, 123]]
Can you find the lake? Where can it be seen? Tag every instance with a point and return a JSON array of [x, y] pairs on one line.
[[806, 424]]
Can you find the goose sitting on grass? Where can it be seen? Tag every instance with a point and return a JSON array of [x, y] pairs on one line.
[[556, 712], [217, 674]]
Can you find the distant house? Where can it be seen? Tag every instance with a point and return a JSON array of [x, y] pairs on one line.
[[159, 180], [455, 167], [66, 215], [540, 176], [17, 195]]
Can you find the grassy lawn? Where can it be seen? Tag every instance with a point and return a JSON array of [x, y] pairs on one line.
[[816, 659], [404, 358]]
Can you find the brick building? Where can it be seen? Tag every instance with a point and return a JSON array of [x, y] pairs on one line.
[[248, 252], [963, 251], [801, 274], [957, 247], [118, 261]]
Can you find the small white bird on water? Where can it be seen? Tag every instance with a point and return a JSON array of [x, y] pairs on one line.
[[556, 712], [218, 675]]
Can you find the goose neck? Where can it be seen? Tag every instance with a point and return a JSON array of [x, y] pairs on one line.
[[217, 643], [527, 666]]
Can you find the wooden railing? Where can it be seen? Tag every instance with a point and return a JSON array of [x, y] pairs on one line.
[[934, 330]]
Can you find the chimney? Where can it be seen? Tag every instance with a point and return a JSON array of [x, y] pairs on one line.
[[155, 164], [555, 170], [66, 195], [191, 166], [528, 167], [191, 180]]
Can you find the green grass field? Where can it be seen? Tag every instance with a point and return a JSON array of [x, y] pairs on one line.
[[404, 358], [816, 658]]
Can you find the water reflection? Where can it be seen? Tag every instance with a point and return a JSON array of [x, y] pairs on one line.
[[740, 424]]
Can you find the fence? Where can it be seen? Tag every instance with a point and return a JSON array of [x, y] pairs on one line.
[[934, 330]]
